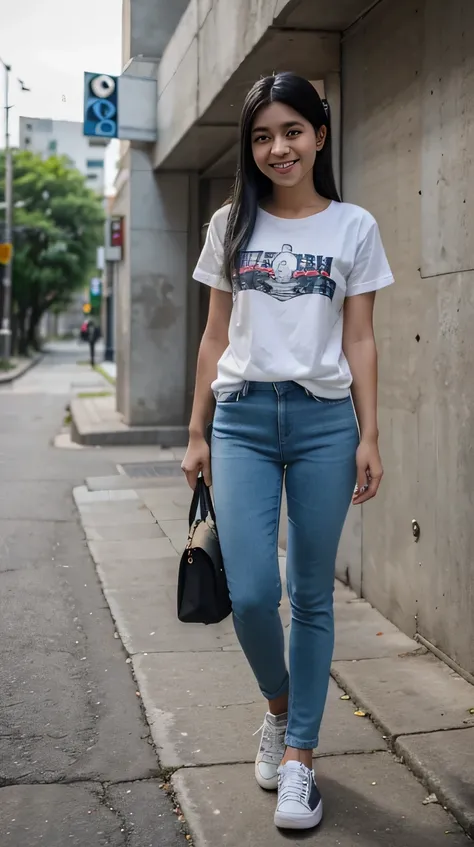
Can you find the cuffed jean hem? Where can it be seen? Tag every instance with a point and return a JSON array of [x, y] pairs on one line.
[[293, 741], [284, 689]]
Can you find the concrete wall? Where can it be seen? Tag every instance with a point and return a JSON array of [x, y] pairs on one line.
[[218, 50], [147, 26], [407, 136]]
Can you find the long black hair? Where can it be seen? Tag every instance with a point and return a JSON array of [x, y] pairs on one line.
[[251, 185]]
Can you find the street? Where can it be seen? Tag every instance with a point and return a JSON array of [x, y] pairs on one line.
[[77, 766]]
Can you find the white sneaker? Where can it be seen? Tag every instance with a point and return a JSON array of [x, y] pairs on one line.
[[299, 802], [271, 751]]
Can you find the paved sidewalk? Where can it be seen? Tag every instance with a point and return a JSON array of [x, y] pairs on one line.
[[203, 705]]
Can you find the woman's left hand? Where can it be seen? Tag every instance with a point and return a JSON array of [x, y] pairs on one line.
[[369, 472]]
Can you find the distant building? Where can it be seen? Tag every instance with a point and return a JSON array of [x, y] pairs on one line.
[[65, 138]]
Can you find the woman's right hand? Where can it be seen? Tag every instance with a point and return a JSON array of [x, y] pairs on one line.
[[197, 460]]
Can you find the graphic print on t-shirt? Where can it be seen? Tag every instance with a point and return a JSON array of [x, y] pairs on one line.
[[284, 275]]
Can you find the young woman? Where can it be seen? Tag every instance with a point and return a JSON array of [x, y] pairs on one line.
[[288, 346]]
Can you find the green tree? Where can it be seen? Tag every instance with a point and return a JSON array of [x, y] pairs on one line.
[[58, 225]]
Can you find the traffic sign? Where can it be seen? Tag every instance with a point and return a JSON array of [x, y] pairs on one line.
[[87, 308], [6, 251], [95, 287]]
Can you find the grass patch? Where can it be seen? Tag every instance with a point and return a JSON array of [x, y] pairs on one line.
[[6, 365], [104, 373], [67, 419], [84, 395]]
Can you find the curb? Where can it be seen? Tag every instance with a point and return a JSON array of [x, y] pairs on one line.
[[396, 744], [162, 436], [16, 373], [447, 797]]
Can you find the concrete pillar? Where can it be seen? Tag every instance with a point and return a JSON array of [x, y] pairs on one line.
[[122, 283], [219, 192], [152, 372]]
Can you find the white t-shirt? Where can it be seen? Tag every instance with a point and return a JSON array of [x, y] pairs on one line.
[[288, 295]]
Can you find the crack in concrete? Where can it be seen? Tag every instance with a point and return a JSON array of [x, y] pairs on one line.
[[201, 765], [79, 780], [469, 725], [125, 828], [36, 520]]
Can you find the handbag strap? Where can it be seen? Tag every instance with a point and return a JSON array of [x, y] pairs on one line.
[[209, 506], [202, 499]]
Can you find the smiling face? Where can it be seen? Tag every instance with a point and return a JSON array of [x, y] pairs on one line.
[[285, 145]]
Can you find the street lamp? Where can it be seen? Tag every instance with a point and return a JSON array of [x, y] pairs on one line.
[[5, 329]]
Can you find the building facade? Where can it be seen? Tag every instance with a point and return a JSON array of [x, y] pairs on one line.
[[66, 138], [399, 78]]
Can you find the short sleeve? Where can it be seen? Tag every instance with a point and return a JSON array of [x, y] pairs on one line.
[[209, 268], [371, 270]]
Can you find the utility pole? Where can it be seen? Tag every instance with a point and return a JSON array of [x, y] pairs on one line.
[[5, 329]]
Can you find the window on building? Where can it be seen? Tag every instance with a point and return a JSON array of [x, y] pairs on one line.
[[29, 126], [52, 146], [95, 163], [92, 176], [98, 142], [44, 124], [27, 140]]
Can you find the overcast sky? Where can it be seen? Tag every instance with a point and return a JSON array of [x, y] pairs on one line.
[[49, 44]]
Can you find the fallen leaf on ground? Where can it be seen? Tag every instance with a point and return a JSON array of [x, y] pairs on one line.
[[432, 798], [471, 711], [380, 633], [360, 713], [345, 697]]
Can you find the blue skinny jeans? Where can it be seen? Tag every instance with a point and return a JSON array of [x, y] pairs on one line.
[[266, 434]]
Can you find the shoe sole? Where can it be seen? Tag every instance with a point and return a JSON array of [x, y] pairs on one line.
[[266, 784], [285, 821]]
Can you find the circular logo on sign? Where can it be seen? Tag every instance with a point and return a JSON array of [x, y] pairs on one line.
[[103, 86]]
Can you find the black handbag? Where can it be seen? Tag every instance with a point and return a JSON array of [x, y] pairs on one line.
[[203, 595]]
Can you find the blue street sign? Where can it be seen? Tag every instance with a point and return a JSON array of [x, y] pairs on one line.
[[101, 105]]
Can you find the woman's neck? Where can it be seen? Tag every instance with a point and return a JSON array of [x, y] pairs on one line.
[[295, 202]]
